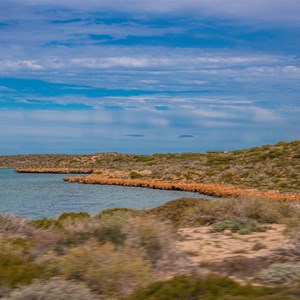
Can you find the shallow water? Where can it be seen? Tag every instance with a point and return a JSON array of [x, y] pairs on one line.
[[37, 196]]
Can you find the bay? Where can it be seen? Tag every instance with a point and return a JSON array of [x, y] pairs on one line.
[[37, 196]]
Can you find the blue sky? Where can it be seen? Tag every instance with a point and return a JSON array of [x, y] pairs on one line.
[[148, 76]]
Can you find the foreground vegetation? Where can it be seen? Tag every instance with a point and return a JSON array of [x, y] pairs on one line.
[[134, 255], [270, 167]]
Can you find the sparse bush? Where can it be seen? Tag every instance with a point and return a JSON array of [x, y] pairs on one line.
[[15, 270], [15, 225], [73, 215], [54, 289], [258, 246], [142, 158], [110, 232], [294, 246], [46, 223], [174, 210], [153, 237], [117, 211], [241, 226], [108, 271], [240, 266], [259, 209], [219, 159], [18, 245], [280, 273], [135, 175]]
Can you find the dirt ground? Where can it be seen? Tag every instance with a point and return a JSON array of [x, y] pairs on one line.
[[238, 256], [204, 246]]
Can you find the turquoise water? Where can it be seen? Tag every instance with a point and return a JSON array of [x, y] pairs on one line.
[[37, 196]]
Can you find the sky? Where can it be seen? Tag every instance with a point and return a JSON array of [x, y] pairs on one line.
[[148, 76]]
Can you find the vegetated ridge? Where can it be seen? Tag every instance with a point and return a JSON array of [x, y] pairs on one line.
[[269, 167]]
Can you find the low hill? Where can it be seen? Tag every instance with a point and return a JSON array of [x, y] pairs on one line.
[[269, 167]]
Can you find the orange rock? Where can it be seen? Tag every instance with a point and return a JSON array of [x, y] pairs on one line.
[[218, 190]]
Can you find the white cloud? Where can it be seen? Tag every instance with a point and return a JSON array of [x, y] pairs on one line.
[[186, 60], [128, 62], [20, 64], [265, 115], [214, 114]]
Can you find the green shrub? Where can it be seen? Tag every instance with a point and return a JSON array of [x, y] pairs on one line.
[[219, 159], [71, 240], [135, 175], [110, 232], [106, 227], [19, 245], [271, 154], [116, 211], [174, 210], [73, 215], [15, 270], [280, 273], [241, 226], [46, 223], [201, 288], [143, 158]]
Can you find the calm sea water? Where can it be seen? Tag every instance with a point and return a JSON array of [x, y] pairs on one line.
[[37, 196]]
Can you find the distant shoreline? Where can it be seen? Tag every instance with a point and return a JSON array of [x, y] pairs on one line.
[[54, 171], [269, 170], [210, 189]]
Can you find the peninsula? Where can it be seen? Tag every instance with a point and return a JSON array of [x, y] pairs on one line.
[[270, 170]]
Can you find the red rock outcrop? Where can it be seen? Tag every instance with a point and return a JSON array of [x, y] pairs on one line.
[[218, 190]]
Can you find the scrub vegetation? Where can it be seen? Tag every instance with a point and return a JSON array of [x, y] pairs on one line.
[[137, 254]]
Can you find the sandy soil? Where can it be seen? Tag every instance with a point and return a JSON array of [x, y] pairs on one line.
[[206, 247]]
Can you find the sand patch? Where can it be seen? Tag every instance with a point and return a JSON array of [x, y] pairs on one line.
[[203, 246]]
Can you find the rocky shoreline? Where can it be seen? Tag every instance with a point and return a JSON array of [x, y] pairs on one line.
[[212, 189]]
